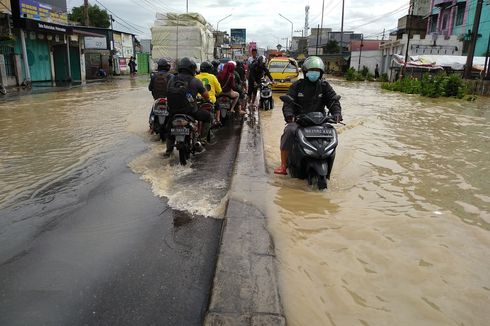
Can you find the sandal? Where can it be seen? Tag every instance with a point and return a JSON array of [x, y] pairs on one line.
[[281, 170]]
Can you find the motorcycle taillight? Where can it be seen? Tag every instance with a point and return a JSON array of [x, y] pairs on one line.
[[162, 101], [180, 123], [206, 106]]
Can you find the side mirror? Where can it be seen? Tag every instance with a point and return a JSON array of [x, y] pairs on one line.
[[286, 99], [337, 97]]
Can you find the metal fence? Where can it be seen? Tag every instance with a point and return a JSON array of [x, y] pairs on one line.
[[8, 53]]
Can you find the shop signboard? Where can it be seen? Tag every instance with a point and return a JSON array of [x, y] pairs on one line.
[[127, 45], [117, 43], [99, 43], [123, 64], [47, 11], [238, 36]]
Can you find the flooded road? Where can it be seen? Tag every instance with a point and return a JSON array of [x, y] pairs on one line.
[[83, 238], [402, 235]]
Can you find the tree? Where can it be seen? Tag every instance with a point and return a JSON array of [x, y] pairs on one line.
[[97, 17], [332, 47]]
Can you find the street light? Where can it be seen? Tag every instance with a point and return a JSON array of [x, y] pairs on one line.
[[217, 25], [217, 32], [292, 27]]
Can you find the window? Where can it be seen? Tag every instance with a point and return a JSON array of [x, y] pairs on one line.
[[433, 24], [460, 13], [282, 66], [444, 22]]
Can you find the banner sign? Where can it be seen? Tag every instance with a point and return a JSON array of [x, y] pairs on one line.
[[34, 25], [99, 43], [238, 36], [49, 11]]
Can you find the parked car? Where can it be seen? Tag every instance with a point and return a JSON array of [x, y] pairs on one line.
[[285, 72]]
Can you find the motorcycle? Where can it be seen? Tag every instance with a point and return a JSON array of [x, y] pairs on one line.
[[184, 134], [313, 151], [159, 118], [224, 104], [266, 102]]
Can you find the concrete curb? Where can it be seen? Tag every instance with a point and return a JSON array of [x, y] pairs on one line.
[[245, 289]]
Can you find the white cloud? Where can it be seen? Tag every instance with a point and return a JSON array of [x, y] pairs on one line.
[[261, 18]]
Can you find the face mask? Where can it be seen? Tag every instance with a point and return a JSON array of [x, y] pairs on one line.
[[313, 76]]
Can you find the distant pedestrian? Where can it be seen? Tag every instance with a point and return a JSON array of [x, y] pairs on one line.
[[376, 72], [132, 66]]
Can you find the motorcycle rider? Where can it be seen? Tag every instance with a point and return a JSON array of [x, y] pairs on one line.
[[182, 93], [312, 94], [228, 83], [159, 79], [211, 83], [207, 78], [215, 64], [251, 59], [257, 71]]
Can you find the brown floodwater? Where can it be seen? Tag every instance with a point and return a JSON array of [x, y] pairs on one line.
[[402, 235], [46, 136]]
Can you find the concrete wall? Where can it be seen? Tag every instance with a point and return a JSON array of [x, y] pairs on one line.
[[419, 46], [368, 59]]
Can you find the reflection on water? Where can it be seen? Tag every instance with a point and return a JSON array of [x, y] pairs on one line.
[[402, 235], [46, 136]]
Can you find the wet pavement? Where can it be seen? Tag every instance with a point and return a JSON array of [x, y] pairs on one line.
[[84, 240]]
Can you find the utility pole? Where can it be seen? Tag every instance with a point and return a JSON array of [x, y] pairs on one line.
[[317, 31], [321, 23], [111, 54], [307, 23], [85, 5], [187, 6], [486, 72], [342, 29], [360, 53], [409, 21], [474, 36]]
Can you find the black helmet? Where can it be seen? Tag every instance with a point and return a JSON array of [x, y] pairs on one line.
[[187, 64], [261, 59], [206, 67], [163, 65]]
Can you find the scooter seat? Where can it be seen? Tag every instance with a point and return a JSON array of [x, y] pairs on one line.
[[184, 116]]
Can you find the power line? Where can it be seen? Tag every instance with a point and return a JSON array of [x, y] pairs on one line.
[[134, 27], [402, 8]]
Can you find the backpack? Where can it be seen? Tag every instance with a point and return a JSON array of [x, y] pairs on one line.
[[178, 96], [160, 84]]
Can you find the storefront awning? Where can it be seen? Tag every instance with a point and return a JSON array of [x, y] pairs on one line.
[[85, 33]]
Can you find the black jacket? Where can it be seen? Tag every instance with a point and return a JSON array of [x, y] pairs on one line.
[[311, 97], [257, 72]]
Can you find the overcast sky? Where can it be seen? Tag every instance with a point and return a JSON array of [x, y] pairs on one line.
[[261, 17]]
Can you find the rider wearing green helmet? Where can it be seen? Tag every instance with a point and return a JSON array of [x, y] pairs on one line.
[[312, 94]]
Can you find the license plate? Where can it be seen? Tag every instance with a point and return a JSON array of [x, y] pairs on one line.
[[179, 131], [318, 132], [163, 112], [225, 105]]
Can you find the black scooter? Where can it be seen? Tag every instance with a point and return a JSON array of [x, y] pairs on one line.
[[159, 118], [314, 147]]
